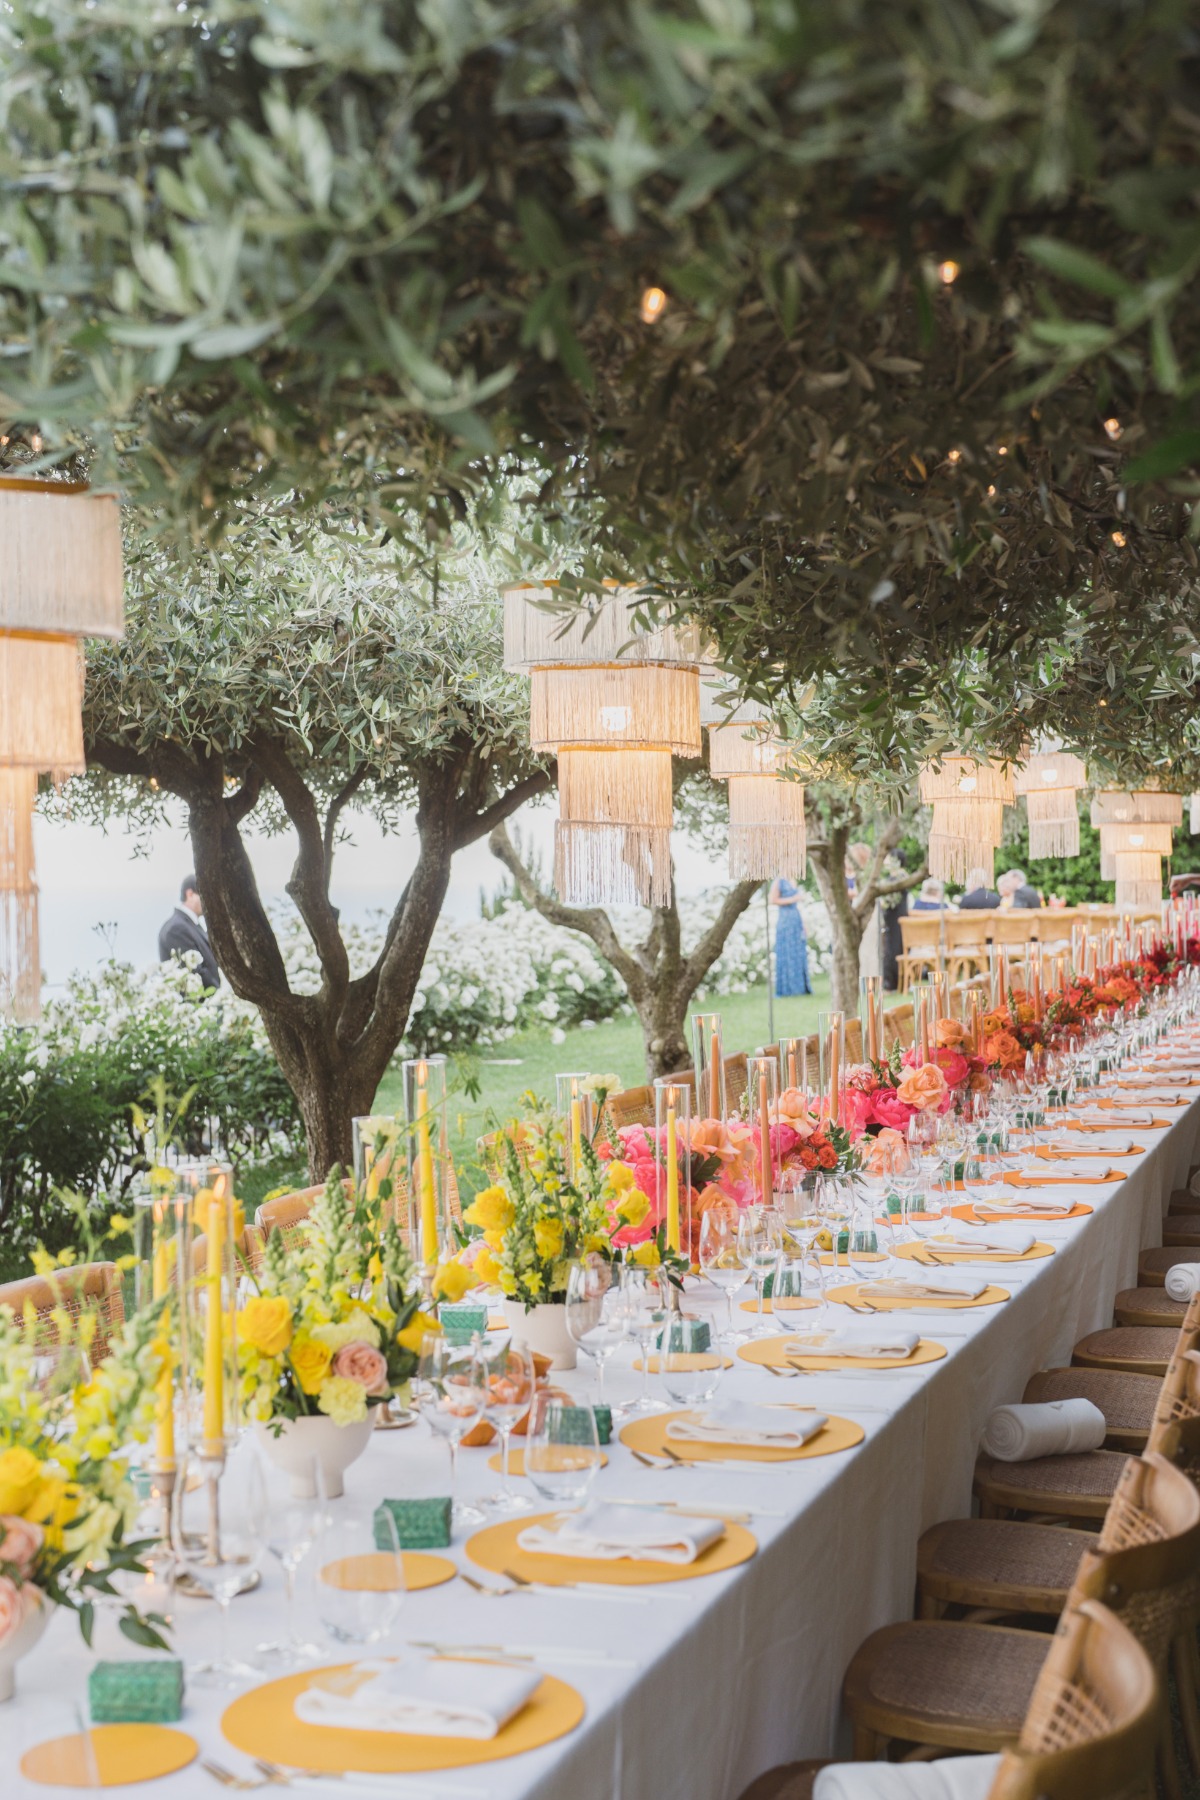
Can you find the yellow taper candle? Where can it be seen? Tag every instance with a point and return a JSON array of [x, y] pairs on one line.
[[214, 1321], [164, 1409], [576, 1130], [672, 1174], [429, 1234]]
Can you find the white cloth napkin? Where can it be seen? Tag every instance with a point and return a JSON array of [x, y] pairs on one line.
[[1175, 1077], [1023, 1203], [1112, 1146], [432, 1698], [951, 1778], [610, 1533], [881, 1340], [1132, 1115], [934, 1287], [1183, 1281], [728, 1422], [985, 1240], [1049, 1428]]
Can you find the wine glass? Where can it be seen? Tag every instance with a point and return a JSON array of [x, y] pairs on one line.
[[796, 1203], [760, 1237], [835, 1199], [562, 1448], [721, 1261], [643, 1308], [862, 1248], [509, 1373], [592, 1320], [219, 1548], [360, 1582], [290, 1528], [454, 1396]]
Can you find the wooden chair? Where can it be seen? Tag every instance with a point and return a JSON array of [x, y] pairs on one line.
[[966, 944], [288, 1212], [737, 1078], [854, 1041], [1148, 1306], [1141, 1349], [1154, 1266], [956, 1685], [92, 1288], [921, 936], [899, 1026], [633, 1106]]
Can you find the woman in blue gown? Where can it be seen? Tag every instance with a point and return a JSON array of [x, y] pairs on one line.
[[791, 940]]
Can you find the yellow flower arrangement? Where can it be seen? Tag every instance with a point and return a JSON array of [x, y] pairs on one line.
[[265, 1324]]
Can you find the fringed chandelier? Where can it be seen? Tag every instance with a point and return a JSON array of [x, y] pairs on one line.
[[613, 700], [968, 798], [60, 580], [767, 833], [1050, 781], [1136, 829]]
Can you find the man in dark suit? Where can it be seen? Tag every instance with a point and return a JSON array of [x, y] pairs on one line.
[[183, 931], [979, 897], [1016, 890]]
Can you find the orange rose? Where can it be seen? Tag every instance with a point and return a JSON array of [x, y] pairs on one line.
[[886, 1154], [711, 1137], [924, 1088], [793, 1110], [951, 1034], [1002, 1047]]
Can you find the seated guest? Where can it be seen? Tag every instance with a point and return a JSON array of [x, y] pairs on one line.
[[932, 897], [1016, 892], [979, 897]]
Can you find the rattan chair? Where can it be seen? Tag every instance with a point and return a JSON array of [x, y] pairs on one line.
[[737, 1079], [287, 1212], [1090, 1732], [1141, 1349], [956, 1685], [899, 1025], [1154, 1266], [92, 1288], [854, 1041], [633, 1106], [1148, 1306]]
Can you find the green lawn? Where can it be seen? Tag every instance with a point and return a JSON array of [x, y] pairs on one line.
[[531, 1061]]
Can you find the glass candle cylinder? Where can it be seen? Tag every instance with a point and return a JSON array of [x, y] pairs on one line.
[[155, 1231], [708, 1057], [577, 1109], [207, 1271], [378, 1165], [428, 1147], [762, 1074], [673, 1164], [794, 1070], [831, 1061], [870, 1012]]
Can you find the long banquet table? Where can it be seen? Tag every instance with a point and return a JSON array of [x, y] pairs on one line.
[[715, 1679]]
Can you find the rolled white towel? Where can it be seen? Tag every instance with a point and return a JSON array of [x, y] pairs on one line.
[[951, 1778], [1051, 1428], [1183, 1281]]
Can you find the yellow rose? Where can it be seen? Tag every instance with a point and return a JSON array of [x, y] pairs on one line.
[[647, 1254], [20, 1479], [633, 1208], [310, 1359], [416, 1331], [491, 1210], [265, 1323], [548, 1237], [487, 1269], [620, 1176], [452, 1281]]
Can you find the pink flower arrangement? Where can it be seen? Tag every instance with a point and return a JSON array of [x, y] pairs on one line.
[[21, 1542], [362, 1363], [17, 1601]]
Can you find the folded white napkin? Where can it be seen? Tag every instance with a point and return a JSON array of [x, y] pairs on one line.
[[610, 1533], [1023, 1203], [1112, 1146], [728, 1422], [985, 1240], [876, 1341], [951, 1778], [1176, 1077], [1050, 1428], [1130, 1115], [431, 1698], [1183, 1281], [933, 1287]]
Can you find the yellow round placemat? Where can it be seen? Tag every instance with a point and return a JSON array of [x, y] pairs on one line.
[[262, 1723], [375, 1572], [969, 1216], [688, 1359], [516, 1462], [495, 1548], [944, 1253], [649, 1435], [122, 1753], [846, 1296], [774, 1351], [497, 1322], [793, 1303]]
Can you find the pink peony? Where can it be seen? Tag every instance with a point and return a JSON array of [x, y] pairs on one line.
[[362, 1363], [857, 1111], [21, 1542], [16, 1603], [954, 1066], [888, 1110]]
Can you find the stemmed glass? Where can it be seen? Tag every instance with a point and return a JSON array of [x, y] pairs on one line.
[[509, 1373], [360, 1580], [224, 1568], [290, 1528], [593, 1320], [644, 1307], [759, 1241], [796, 1203], [863, 1254], [454, 1396], [721, 1261], [562, 1448]]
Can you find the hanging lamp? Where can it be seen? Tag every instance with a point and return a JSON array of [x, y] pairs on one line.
[[767, 830], [1138, 875], [612, 841], [1157, 840], [1050, 780], [609, 705], [968, 797], [19, 961]]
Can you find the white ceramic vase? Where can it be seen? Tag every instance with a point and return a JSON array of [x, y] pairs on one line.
[[544, 1329], [303, 1442], [19, 1643]]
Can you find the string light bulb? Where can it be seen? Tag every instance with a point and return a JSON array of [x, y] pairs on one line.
[[1119, 539], [1114, 428], [954, 456], [948, 273], [654, 305]]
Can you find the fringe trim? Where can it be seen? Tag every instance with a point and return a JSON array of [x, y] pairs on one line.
[[41, 695], [1156, 840], [767, 832], [20, 959], [607, 865], [598, 630], [61, 568], [985, 781], [1116, 806], [1053, 837], [18, 792], [615, 707], [629, 789], [1045, 772], [953, 858], [742, 749]]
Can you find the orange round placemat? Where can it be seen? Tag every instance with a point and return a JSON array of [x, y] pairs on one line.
[[262, 1723], [910, 1253], [374, 1572], [969, 1216], [649, 1435], [495, 1548], [774, 1351], [516, 1461], [122, 1752], [846, 1296]]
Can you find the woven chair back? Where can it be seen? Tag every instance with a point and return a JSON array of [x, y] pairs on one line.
[[1175, 1432], [634, 1106], [737, 1079], [1092, 1726], [93, 1288], [899, 1025], [854, 1040], [1146, 1564]]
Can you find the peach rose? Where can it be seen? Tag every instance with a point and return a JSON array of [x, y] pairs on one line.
[[886, 1154], [712, 1137], [793, 1110], [951, 1034], [362, 1363], [16, 1603], [923, 1088], [21, 1542]]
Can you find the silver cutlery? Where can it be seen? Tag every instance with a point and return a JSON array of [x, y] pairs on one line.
[[529, 1653], [277, 1776]]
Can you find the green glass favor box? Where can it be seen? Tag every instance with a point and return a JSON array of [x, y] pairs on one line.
[[136, 1693]]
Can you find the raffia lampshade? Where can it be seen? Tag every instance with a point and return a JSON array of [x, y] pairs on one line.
[[745, 748], [20, 973], [599, 630], [1050, 781], [1138, 876], [767, 835], [1116, 806], [60, 567], [612, 842], [41, 692], [968, 798], [1150, 839], [641, 706]]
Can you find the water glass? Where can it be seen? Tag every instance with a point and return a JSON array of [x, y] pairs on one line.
[[760, 1239], [221, 1559], [509, 1373], [690, 1369], [562, 1448], [290, 1528], [454, 1394], [867, 1262], [643, 1308], [593, 1321], [359, 1574], [720, 1259]]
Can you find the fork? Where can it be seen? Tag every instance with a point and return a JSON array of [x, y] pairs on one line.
[[488, 1592], [279, 1777], [228, 1779]]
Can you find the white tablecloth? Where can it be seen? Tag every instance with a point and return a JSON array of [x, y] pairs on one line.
[[719, 1678]]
